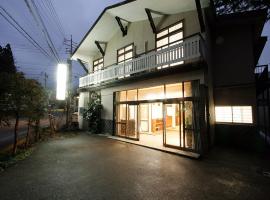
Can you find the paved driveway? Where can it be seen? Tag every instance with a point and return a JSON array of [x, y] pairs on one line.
[[94, 167]]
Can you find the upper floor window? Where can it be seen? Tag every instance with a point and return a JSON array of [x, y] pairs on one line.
[[98, 64], [170, 36], [125, 54]]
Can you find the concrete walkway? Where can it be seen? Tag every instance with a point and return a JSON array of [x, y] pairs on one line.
[[93, 167]]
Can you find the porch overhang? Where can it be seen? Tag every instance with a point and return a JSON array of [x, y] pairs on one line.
[[106, 26]]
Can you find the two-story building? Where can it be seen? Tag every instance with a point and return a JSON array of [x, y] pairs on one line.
[[172, 73]]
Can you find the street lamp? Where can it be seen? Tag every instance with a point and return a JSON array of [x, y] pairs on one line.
[[61, 81]]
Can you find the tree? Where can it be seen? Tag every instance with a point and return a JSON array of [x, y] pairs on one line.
[[36, 102], [6, 60], [93, 113], [233, 6], [16, 101], [7, 71]]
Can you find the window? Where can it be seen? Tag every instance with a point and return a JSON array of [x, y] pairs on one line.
[[125, 54], [98, 64], [234, 114], [170, 36], [168, 91]]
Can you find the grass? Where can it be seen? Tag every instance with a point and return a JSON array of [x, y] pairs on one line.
[[7, 160]]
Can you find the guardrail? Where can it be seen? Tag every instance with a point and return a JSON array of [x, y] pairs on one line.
[[187, 49]]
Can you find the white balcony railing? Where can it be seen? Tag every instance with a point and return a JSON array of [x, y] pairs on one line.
[[186, 50]]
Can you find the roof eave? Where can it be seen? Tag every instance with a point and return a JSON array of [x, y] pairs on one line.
[[97, 20]]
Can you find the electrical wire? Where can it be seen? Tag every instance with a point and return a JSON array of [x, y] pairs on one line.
[[22, 31], [40, 23]]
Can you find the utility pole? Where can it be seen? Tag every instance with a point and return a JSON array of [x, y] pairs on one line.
[[70, 44], [45, 80]]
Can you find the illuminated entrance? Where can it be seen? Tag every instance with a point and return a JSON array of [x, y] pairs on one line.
[[161, 115]]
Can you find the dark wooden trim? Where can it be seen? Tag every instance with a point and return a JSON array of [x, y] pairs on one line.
[[200, 15], [95, 23], [100, 48], [114, 113], [83, 66], [150, 19], [125, 52], [98, 63], [122, 28]]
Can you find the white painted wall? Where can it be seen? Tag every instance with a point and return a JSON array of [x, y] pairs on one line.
[[140, 32]]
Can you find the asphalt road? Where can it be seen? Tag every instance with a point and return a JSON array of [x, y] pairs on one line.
[[7, 133], [94, 167]]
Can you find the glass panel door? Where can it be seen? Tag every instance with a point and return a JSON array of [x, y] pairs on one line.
[[121, 120], [189, 125], [172, 125], [144, 118], [131, 129]]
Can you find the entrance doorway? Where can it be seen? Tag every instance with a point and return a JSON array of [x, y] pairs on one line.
[[157, 123], [151, 123], [173, 124], [159, 116]]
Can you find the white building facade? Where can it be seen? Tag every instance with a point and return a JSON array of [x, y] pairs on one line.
[[165, 71]]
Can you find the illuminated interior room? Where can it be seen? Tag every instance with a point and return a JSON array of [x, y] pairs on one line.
[[157, 116]]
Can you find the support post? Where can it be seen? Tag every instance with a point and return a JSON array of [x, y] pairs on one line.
[[200, 15], [150, 18], [123, 29], [83, 66], [100, 48]]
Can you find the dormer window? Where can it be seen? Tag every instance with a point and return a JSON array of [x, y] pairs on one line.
[[125, 54], [98, 64]]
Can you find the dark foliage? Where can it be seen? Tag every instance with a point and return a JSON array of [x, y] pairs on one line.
[[93, 114], [6, 60], [233, 6]]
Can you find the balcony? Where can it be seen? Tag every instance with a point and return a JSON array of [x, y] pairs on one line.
[[187, 50]]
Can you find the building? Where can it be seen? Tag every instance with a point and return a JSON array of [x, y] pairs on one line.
[[173, 73]]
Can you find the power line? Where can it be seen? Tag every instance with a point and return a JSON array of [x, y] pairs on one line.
[[22, 31], [54, 14], [39, 21], [50, 18]]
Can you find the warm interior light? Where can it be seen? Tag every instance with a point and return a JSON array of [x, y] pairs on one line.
[[234, 114], [61, 81]]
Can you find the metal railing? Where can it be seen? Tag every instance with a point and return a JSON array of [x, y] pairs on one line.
[[187, 49]]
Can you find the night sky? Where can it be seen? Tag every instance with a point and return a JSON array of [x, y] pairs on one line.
[[76, 17]]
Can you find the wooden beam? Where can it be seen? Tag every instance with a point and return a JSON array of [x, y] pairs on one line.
[[83, 66], [123, 28], [200, 15], [150, 18], [102, 51]]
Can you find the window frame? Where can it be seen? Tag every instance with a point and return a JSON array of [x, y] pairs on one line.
[[98, 60], [232, 122], [170, 33], [125, 52]]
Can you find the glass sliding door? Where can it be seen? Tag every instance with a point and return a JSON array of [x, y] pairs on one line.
[[121, 120], [132, 122], [126, 121], [172, 125], [189, 125], [144, 122]]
